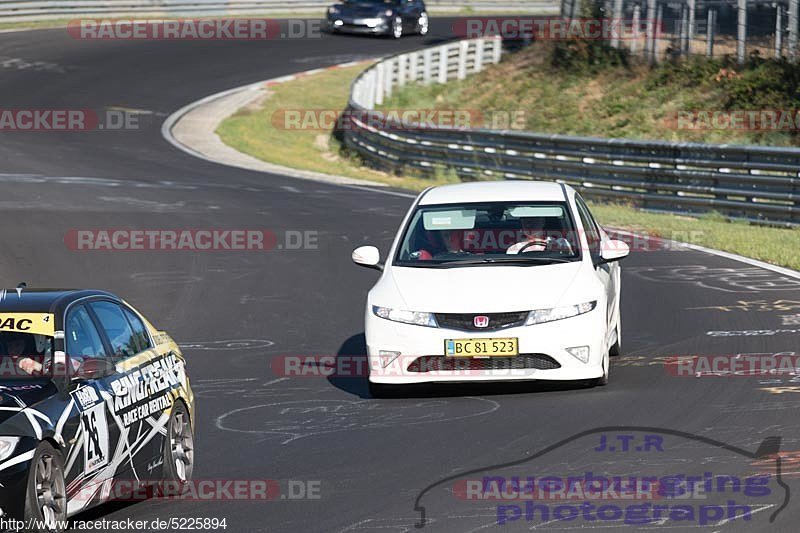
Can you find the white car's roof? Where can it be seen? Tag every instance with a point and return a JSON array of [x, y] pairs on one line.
[[495, 191]]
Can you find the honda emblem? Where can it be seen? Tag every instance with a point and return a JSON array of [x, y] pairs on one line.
[[481, 321]]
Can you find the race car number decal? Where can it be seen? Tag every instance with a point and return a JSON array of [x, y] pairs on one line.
[[95, 438]]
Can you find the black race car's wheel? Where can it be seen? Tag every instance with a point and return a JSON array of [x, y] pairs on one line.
[[423, 25], [397, 27], [46, 498], [178, 451]]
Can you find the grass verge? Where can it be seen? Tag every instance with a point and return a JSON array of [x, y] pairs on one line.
[[574, 88], [252, 131]]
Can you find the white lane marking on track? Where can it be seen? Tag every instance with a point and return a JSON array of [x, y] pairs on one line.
[[340, 422], [231, 344], [734, 280]]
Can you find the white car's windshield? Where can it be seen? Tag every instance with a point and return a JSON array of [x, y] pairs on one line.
[[491, 233]]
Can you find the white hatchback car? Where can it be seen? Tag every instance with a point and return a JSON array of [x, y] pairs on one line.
[[494, 281]]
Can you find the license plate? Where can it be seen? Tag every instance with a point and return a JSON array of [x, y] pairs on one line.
[[481, 347]]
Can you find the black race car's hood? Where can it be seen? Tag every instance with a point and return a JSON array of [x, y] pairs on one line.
[[359, 9], [22, 393]]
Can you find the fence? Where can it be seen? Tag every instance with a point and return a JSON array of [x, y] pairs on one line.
[[738, 28], [754, 182]]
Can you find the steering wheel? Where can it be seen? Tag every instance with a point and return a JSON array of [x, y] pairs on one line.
[[536, 242]]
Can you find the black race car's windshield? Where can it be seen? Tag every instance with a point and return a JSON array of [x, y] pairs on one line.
[[489, 233], [24, 355]]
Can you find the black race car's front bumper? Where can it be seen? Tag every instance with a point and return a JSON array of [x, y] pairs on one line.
[[13, 488], [364, 26]]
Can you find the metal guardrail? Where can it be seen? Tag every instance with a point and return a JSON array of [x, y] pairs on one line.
[[21, 10], [753, 182]]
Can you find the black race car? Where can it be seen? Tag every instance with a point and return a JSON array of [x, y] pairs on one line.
[[378, 17], [92, 400]]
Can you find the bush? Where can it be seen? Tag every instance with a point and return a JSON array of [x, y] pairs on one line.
[[584, 56]]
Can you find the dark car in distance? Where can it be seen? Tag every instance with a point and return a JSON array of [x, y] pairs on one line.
[[393, 18]]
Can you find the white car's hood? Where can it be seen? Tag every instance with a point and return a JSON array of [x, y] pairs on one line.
[[489, 289]]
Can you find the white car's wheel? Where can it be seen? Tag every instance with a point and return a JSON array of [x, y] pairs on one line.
[[603, 380], [423, 25]]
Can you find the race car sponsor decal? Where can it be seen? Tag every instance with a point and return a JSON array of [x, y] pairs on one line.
[[38, 323], [146, 390], [95, 438], [86, 397]]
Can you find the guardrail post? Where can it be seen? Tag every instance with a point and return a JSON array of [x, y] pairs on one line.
[[497, 50], [379, 83], [479, 45], [444, 52], [412, 66], [388, 79], [463, 48], [401, 70], [427, 69]]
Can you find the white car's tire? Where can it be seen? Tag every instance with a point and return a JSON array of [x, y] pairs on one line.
[[616, 349], [602, 381]]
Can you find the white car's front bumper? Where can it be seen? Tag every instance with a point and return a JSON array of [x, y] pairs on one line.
[[550, 340]]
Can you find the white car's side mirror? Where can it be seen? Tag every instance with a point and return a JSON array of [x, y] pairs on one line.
[[614, 250], [368, 256]]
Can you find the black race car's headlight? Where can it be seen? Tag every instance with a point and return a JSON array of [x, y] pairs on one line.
[[7, 447]]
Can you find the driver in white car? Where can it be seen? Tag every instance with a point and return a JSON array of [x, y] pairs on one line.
[[536, 238]]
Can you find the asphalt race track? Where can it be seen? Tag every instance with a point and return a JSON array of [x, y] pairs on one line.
[[235, 312]]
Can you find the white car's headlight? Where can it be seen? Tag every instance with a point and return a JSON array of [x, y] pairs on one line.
[[7, 446], [540, 316], [407, 317]]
